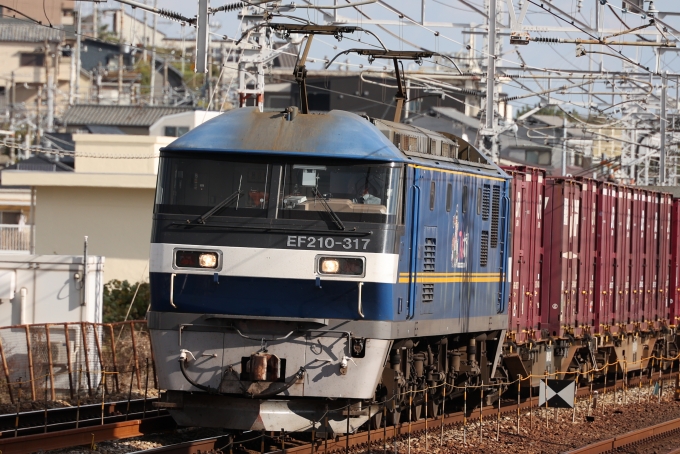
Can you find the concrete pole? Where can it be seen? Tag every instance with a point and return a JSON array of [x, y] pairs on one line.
[[79, 30], [120, 55], [564, 146], [662, 132], [491, 81], [95, 21], [144, 39], [152, 83], [491, 70]]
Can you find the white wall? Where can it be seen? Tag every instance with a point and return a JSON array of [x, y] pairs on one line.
[[116, 220], [45, 289], [187, 119]]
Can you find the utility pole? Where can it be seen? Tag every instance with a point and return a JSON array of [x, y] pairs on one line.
[[120, 56], [488, 133], [95, 21], [12, 99], [564, 146], [144, 39], [662, 130], [152, 83], [79, 29]]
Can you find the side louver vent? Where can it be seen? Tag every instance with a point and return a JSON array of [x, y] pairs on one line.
[[484, 253], [429, 253], [486, 202], [495, 213]]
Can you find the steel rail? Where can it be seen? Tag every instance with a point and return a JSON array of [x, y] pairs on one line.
[[86, 435], [61, 418], [434, 424], [637, 436]]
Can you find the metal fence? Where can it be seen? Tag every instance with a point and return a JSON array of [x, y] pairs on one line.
[[15, 237], [62, 361]]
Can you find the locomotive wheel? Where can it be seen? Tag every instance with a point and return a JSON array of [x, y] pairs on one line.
[[376, 420], [432, 409], [393, 417], [416, 411]]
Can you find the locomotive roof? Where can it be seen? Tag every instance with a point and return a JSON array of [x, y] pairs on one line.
[[336, 134]]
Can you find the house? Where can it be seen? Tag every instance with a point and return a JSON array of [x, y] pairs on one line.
[[128, 119], [32, 57], [105, 192], [108, 197]]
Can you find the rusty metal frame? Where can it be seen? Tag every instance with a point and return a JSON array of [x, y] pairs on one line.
[[50, 363], [6, 371], [68, 359], [87, 362], [30, 360]]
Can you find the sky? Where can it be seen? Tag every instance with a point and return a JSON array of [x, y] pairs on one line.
[[453, 39]]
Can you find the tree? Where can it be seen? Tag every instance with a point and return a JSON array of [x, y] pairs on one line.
[[118, 296]]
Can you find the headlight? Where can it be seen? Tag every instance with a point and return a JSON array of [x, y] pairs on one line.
[[207, 260], [196, 259], [346, 266], [329, 266]]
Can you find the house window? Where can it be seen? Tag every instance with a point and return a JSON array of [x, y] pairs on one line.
[[31, 59], [176, 131]]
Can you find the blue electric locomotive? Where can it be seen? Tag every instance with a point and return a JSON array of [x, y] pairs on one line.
[[304, 263]]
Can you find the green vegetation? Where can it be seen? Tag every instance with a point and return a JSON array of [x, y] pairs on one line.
[[118, 296]]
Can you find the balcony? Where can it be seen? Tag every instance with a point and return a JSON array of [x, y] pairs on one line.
[[15, 238]]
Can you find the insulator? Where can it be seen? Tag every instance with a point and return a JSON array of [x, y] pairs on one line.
[[176, 16], [545, 40], [230, 7]]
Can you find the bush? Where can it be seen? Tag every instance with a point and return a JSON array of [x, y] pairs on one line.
[[118, 296]]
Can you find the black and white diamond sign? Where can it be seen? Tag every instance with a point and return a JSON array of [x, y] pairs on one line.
[[558, 393]]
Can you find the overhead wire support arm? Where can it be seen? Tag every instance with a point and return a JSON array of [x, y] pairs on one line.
[[300, 71], [395, 56], [160, 11]]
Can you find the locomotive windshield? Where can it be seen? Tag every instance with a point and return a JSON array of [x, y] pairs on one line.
[[355, 193]]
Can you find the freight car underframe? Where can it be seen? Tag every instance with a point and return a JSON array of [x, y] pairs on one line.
[[591, 356], [259, 373]]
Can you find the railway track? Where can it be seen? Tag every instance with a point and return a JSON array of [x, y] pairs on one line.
[[379, 438], [33, 434], [64, 418], [635, 437]]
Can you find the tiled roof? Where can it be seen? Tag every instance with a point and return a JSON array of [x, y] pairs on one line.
[[33, 33], [93, 114]]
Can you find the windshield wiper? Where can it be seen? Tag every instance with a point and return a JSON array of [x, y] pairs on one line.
[[218, 207], [334, 217]]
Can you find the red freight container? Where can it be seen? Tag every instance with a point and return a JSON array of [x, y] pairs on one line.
[[604, 308], [637, 256], [560, 309], [528, 186], [664, 261], [622, 257], [586, 250], [674, 284], [651, 237]]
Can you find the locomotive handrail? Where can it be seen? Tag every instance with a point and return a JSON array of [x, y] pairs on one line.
[[360, 308], [172, 290], [414, 248], [506, 255], [261, 338]]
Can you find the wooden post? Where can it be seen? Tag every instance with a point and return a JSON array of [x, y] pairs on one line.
[[50, 363], [68, 359], [6, 371], [30, 361]]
